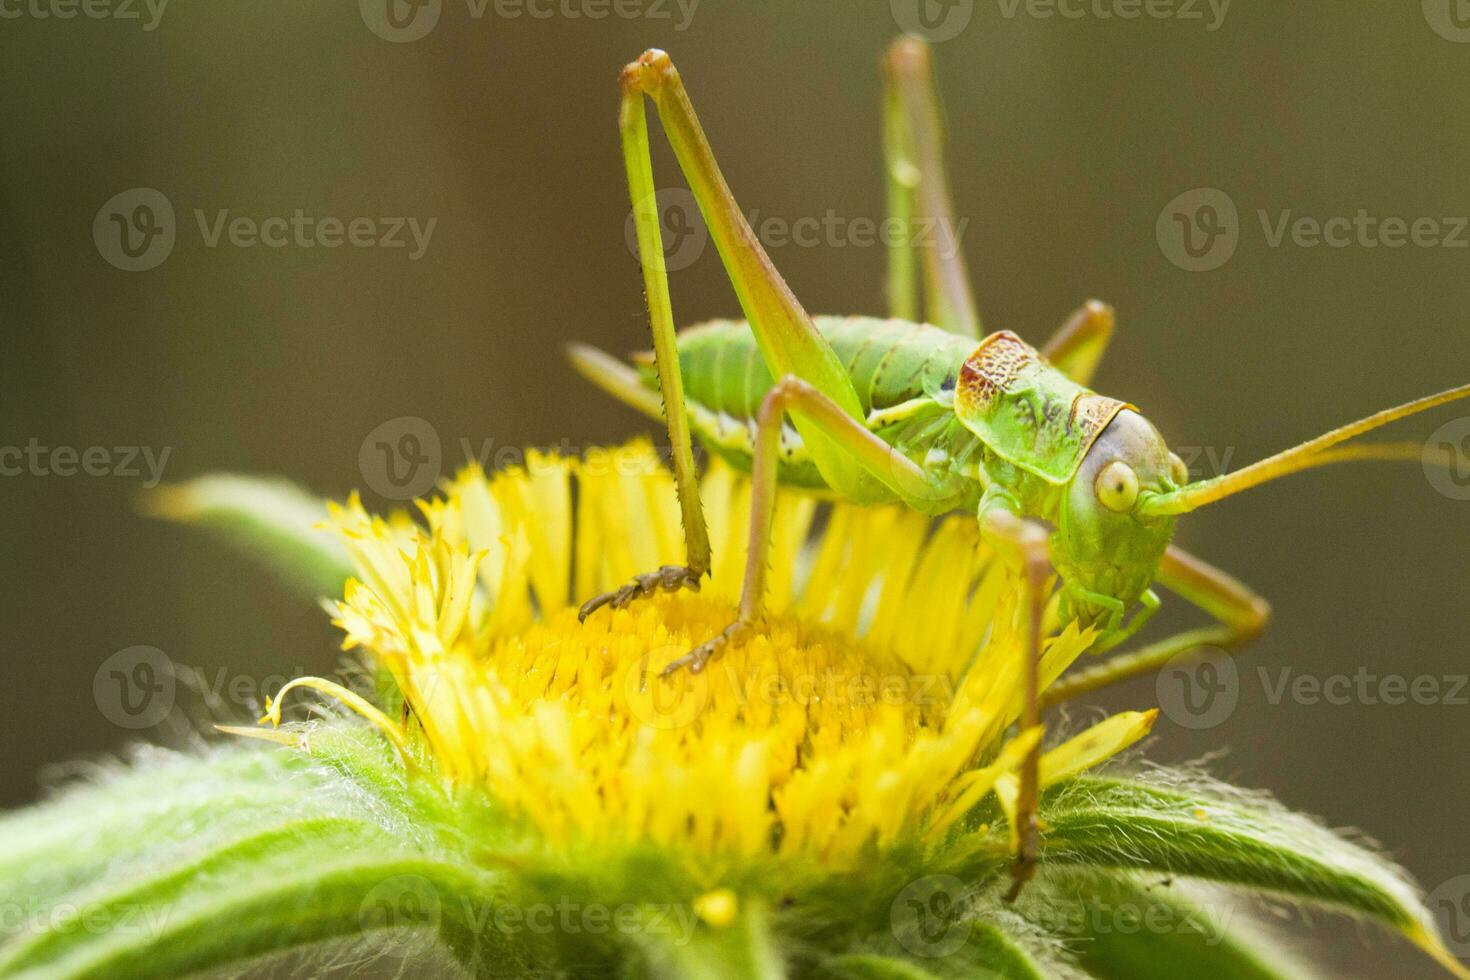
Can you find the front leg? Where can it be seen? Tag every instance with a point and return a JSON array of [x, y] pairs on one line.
[[1026, 543], [668, 578], [865, 449], [1241, 617]]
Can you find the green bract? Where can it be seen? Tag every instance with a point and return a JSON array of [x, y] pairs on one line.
[[334, 849]]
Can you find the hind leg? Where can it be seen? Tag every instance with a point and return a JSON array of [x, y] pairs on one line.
[[918, 196], [789, 342]]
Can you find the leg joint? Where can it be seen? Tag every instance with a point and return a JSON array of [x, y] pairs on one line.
[[1254, 619], [648, 73], [789, 389]]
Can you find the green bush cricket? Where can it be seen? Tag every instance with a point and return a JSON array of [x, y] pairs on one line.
[[931, 415]]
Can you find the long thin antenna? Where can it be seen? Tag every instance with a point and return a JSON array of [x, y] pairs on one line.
[[1308, 455]]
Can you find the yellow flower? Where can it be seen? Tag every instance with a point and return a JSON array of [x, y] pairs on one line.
[[871, 711]]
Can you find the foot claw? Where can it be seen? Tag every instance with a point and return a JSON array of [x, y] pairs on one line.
[[669, 578], [696, 659]]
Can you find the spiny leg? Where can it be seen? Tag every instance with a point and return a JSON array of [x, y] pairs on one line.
[[788, 340], [874, 455], [918, 195], [1078, 346], [639, 165], [902, 285], [1241, 617], [1026, 542]]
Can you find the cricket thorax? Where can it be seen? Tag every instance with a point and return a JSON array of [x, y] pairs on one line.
[[1026, 411]]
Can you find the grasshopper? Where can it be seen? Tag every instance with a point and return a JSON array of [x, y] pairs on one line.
[[1066, 484]]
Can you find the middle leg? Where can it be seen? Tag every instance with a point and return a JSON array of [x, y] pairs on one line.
[[900, 474]]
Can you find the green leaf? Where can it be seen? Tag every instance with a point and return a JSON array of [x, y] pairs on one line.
[[270, 519], [1196, 827], [1123, 927], [936, 935], [185, 863], [993, 950], [877, 966]]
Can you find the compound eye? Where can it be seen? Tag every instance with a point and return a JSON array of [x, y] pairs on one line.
[[1177, 470], [1117, 487]]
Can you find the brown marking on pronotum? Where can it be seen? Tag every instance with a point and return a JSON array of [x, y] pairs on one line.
[[988, 373]]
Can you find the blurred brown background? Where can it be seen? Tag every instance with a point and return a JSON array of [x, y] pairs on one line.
[[1068, 138]]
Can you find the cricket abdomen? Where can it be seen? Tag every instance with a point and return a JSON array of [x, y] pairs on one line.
[[904, 374], [889, 361]]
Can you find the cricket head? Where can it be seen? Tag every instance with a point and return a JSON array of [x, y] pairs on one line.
[[1107, 547], [1120, 507]]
